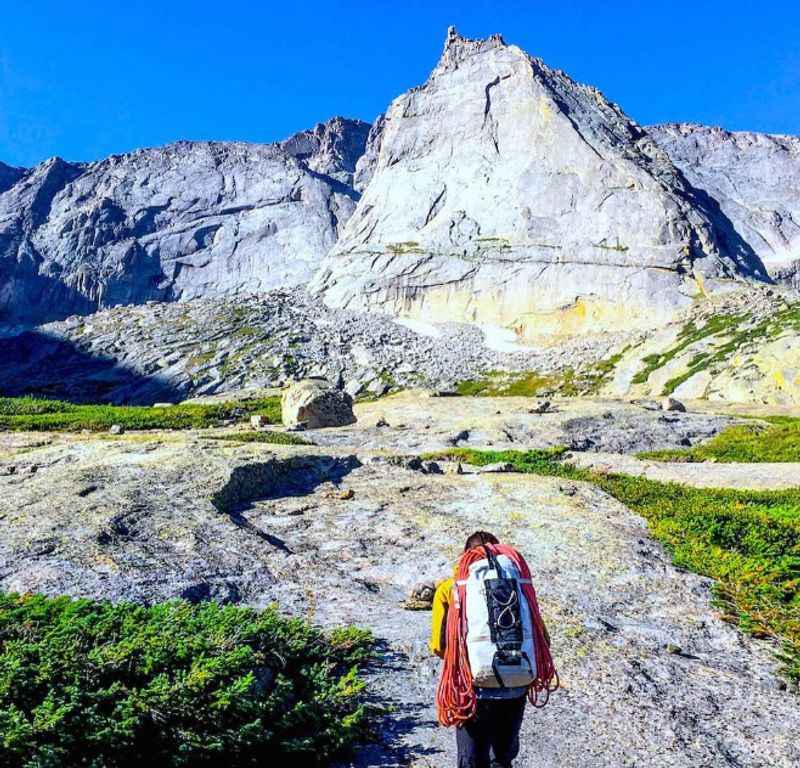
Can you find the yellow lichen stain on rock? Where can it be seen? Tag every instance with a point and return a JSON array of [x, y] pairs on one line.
[[585, 315], [545, 109], [700, 283], [528, 312]]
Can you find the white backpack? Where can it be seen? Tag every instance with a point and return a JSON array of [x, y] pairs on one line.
[[500, 643]]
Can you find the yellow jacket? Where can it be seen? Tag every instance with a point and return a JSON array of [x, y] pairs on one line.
[[441, 602]]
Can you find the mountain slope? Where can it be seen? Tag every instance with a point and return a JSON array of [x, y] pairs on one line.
[[189, 219], [502, 191], [755, 178]]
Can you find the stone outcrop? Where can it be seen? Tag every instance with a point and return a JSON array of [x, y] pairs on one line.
[[314, 404], [755, 179], [342, 537], [788, 274], [175, 222], [502, 191], [9, 176]]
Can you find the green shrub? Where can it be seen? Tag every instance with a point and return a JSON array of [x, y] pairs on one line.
[[748, 541], [268, 436], [756, 442], [92, 684], [34, 414]]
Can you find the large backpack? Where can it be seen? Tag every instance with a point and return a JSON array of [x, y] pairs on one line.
[[500, 642], [495, 634]]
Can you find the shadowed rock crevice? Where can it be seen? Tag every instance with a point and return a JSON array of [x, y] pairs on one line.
[[276, 478], [34, 363]]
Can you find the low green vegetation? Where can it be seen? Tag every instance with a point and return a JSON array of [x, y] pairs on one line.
[[86, 683], [690, 334], [735, 332], [267, 436], [34, 414], [777, 440], [566, 383], [748, 541], [506, 384]]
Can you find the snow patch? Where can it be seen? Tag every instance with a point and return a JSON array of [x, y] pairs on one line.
[[420, 327], [502, 339]]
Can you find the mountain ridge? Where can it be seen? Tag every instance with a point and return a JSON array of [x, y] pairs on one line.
[[131, 227]]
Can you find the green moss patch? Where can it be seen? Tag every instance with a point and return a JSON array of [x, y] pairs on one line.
[[690, 334], [565, 383], [28, 414], [95, 684], [777, 441], [508, 384], [748, 541], [267, 436], [736, 332]]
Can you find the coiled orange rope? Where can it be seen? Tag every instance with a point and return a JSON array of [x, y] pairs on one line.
[[455, 696]]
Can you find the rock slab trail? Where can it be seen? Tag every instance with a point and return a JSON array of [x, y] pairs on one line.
[[340, 533]]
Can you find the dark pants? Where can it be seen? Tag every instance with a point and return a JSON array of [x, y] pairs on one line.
[[495, 729]]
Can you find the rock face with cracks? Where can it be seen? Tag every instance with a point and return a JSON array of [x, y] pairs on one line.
[[188, 219], [502, 191], [755, 179], [650, 675]]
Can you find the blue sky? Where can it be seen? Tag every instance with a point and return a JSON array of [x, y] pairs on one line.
[[86, 79]]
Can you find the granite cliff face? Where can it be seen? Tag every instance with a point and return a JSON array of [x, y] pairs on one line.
[[503, 192], [186, 220], [755, 178]]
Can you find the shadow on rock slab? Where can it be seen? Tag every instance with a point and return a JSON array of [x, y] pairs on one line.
[[33, 363], [395, 720]]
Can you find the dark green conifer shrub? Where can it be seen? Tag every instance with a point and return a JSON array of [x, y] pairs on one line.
[[92, 684]]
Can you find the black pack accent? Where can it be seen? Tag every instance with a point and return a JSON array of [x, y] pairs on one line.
[[505, 618]]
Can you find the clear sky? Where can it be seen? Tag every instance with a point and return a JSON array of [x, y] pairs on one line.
[[85, 79]]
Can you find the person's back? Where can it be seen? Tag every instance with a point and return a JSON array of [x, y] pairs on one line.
[[487, 628]]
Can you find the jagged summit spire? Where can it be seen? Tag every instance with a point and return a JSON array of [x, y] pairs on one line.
[[457, 47]]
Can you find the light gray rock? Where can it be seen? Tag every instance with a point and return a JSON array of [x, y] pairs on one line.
[[501, 191], [755, 179], [182, 516], [9, 176], [185, 220], [788, 274], [315, 404]]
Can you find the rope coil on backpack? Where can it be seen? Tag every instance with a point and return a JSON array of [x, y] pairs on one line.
[[456, 699]]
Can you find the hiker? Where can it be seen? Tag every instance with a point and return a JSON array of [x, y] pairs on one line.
[[487, 628]]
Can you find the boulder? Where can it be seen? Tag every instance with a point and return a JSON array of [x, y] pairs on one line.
[[258, 421], [315, 403]]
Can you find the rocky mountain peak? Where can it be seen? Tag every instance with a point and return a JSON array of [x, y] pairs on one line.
[[753, 177], [458, 48], [189, 219], [9, 176], [501, 191], [332, 147]]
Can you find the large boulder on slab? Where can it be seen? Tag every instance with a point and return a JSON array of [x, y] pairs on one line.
[[315, 403]]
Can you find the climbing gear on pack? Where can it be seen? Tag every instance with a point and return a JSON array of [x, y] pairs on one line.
[[495, 634]]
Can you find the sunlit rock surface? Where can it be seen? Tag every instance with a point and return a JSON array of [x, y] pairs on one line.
[[755, 178], [502, 191], [175, 222]]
